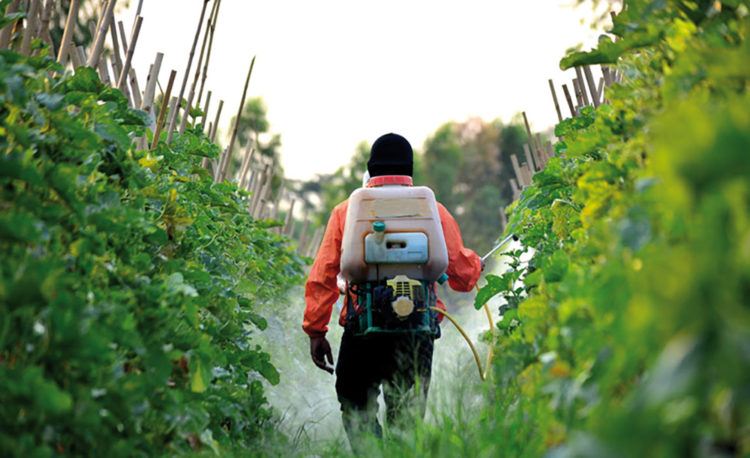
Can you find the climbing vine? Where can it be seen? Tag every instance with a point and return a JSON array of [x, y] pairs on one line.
[[631, 331], [129, 281]]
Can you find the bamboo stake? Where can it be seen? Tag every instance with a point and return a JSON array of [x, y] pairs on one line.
[[245, 165], [217, 5], [531, 139], [592, 85], [131, 50], [303, 233], [80, 54], [44, 25], [554, 99], [569, 100], [275, 211], [164, 101], [138, 10], [173, 118], [527, 172], [265, 190], [5, 33], [216, 122], [117, 62], [101, 34], [185, 115], [517, 170], [540, 151], [31, 24], [579, 92], [600, 90], [288, 218], [205, 110], [582, 85], [104, 72], [239, 117], [135, 88], [514, 187], [531, 157], [153, 77], [70, 24], [203, 49]]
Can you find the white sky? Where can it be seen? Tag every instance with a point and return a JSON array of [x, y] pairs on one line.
[[336, 72]]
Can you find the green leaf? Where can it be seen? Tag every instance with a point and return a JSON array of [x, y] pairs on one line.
[[113, 133], [85, 79], [494, 286]]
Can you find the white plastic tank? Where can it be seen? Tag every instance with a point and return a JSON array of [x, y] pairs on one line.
[[408, 241]]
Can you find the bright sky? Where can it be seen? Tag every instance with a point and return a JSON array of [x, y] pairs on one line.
[[336, 72]]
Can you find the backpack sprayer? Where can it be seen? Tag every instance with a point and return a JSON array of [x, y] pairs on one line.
[[393, 252]]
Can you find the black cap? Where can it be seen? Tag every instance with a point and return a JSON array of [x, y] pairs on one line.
[[391, 154]]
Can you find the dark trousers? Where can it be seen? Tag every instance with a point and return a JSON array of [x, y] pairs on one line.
[[401, 363]]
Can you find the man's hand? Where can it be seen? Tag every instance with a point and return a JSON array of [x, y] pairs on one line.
[[320, 350]]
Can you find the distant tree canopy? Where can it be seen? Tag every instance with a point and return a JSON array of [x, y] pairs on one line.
[[468, 167]]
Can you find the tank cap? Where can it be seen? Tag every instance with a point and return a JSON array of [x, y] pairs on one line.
[[443, 278], [378, 226]]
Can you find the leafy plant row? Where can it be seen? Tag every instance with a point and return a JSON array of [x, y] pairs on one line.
[[629, 333], [129, 282]]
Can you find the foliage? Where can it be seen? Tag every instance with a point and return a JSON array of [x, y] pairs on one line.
[[631, 333], [128, 280], [468, 166]]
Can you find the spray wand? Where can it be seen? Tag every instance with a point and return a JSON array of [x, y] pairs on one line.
[[482, 373]]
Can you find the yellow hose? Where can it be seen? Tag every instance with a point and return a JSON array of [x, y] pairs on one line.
[[482, 374]]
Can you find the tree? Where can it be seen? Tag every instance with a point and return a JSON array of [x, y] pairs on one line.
[[468, 167]]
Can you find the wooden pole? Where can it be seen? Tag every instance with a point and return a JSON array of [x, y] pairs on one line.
[[531, 138], [31, 25], [288, 218], [570, 101], [153, 77], [592, 85], [44, 25], [70, 24], [303, 233], [173, 117], [245, 165], [104, 72], [205, 110], [517, 170], [239, 117], [579, 92], [131, 50], [162, 112], [117, 62], [101, 34], [78, 54], [582, 86], [540, 151], [275, 211], [554, 99], [217, 5], [216, 122], [5, 33], [530, 160]]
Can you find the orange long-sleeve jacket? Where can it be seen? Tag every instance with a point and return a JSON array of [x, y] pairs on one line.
[[321, 289]]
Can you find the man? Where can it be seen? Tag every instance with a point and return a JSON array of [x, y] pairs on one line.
[[401, 362]]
